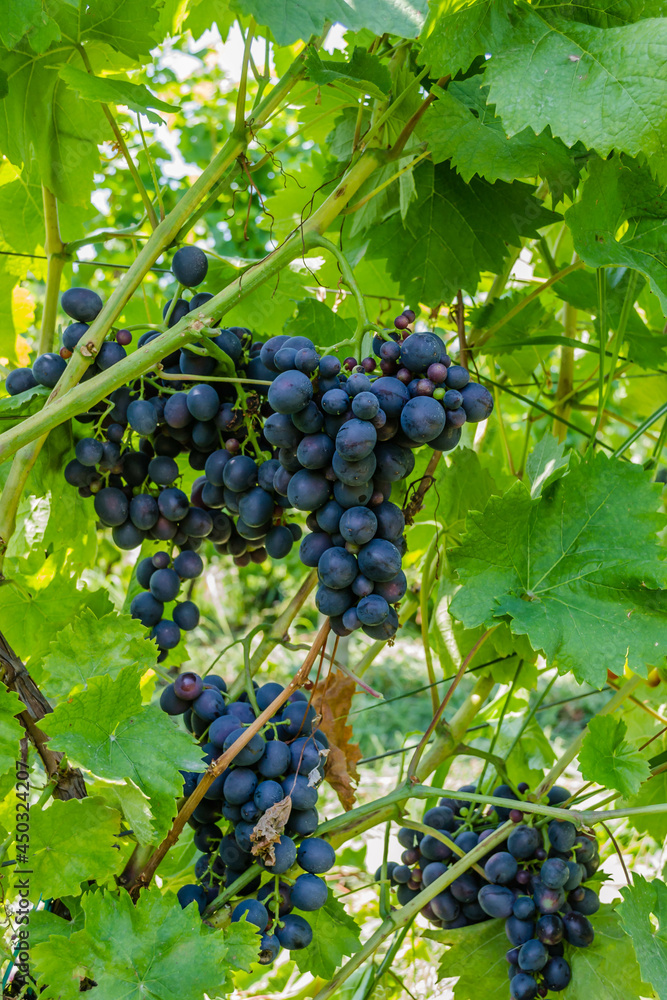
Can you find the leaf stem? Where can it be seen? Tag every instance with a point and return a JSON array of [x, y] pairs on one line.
[[56, 256]]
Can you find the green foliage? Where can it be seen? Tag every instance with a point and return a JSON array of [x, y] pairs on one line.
[[538, 562], [10, 729], [609, 760], [643, 902], [610, 76], [453, 231], [140, 950], [91, 647], [106, 730], [137, 97], [59, 830], [335, 936]]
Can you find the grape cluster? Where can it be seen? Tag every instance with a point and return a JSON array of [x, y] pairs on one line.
[[311, 434], [352, 434], [283, 764], [535, 884]]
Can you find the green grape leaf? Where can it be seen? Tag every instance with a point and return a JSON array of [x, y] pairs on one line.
[[106, 730], [549, 566], [73, 841], [608, 968], [126, 25], [652, 793], [642, 901], [27, 17], [616, 192], [363, 72], [242, 943], [318, 322], [107, 90], [11, 730], [546, 463], [135, 952], [41, 114], [335, 936], [90, 647], [452, 231], [463, 128], [601, 86], [457, 31], [610, 760], [21, 222], [291, 20], [134, 806], [476, 955], [30, 619]]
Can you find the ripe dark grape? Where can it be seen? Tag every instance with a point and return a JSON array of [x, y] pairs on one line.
[[189, 266], [47, 369], [295, 933], [81, 304]]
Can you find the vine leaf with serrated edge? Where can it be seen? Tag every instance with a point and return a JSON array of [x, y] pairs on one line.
[[578, 570]]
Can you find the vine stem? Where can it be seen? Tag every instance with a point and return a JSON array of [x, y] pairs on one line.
[[56, 257], [225, 759], [566, 373]]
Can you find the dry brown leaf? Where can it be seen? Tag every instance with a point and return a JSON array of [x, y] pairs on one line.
[[269, 830], [332, 699]]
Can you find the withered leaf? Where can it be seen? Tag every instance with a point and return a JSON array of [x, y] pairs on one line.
[[269, 830], [332, 699]]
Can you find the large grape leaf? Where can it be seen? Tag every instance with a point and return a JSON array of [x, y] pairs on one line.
[[90, 646], [126, 25], [27, 17], [578, 570], [104, 90], [41, 114], [106, 730], [453, 231], [621, 220], [290, 20], [463, 128], [151, 951], [335, 936], [73, 841], [608, 759], [642, 900], [21, 224], [458, 30], [30, 618], [605, 87], [546, 463]]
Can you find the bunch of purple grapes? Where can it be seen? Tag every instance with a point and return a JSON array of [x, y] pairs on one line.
[[282, 764], [535, 882], [311, 434]]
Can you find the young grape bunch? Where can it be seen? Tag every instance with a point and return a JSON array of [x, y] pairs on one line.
[[539, 891], [277, 773]]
